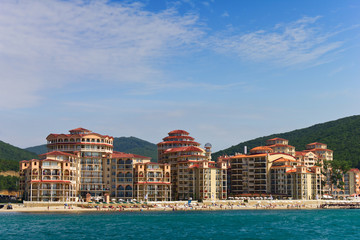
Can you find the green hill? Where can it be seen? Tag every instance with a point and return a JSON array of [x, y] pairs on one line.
[[40, 149], [10, 152], [11, 155], [342, 136], [136, 146], [121, 144]]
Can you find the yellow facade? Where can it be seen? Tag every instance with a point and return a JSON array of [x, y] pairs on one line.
[[193, 174], [152, 182], [276, 169], [55, 177]]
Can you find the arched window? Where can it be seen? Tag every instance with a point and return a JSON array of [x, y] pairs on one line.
[[128, 161], [120, 174], [128, 175], [128, 188], [120, 188]]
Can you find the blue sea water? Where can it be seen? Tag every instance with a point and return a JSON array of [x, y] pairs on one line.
[[243, 224]]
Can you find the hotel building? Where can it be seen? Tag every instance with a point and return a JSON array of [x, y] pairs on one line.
[[297, 181], [83, 163], [280, 145], [152, 182], [54, 177], [276, 169], [193, 174], [94, 149], [227, 161], [351, 186], [120, 169]]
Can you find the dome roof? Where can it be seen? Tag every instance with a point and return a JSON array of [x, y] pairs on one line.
[[261, 149], [183, 132]]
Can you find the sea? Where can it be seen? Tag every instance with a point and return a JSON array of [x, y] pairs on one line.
[[232, 224]]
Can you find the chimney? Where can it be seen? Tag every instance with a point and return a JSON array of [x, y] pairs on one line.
[[245, 150]]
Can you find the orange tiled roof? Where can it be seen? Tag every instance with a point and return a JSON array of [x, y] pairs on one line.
[[127, 155], [53, 160], [176, 137], [249, 156], [318, 149], [300, 153], [79, 129], [281, 145], [194, 166], [184, 149], [188, 142], [58, 153], [282, 166], [75, 135], [261, 148], [179, 132], [277, 153], [315, 143], [281, 159], [274, 139]]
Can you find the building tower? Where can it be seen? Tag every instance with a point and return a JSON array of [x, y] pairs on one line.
[[94, 150], [193, 174]]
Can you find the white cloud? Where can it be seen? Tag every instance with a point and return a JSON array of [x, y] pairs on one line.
[[46, 45], [225, 14], [52, 43], [297, 42]]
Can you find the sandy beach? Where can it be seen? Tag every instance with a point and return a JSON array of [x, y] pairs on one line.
[[180, 206]]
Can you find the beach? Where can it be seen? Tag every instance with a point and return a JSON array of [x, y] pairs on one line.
[[181, 206]]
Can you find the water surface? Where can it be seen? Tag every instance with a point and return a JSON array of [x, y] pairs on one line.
[[243, 224]]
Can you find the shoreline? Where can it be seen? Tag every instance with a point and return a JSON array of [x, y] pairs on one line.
[[228, 205]]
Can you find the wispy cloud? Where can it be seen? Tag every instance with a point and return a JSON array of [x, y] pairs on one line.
[[288, 44], [46, 44], [49, 45], [225, 14]]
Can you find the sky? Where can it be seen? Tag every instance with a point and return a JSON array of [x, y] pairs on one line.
[[225, 71]]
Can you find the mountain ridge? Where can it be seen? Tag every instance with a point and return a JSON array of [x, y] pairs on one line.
[[341, 135], [121, 144]]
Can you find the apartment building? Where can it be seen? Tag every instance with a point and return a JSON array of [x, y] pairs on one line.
[[193, 174], [152, 181], [321, 150], [278, 170], [53, 177], [120, 171], [94, 150], [280, 145], [250, 173], [290, 178], [351, 186]]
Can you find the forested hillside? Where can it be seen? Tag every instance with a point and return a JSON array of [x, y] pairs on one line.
[[342, 136], [40, 149], [136, 146], [10, 152], [121, 144]]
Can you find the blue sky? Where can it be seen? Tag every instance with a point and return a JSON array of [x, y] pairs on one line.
[[226, 71]]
